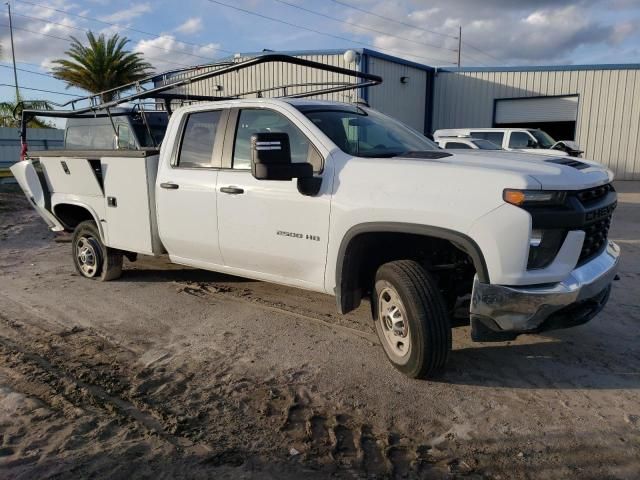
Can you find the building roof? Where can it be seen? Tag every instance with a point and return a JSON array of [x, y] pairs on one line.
[[339, 51], [293, 53], [543, 68]]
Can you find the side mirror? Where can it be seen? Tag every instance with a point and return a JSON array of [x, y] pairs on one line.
[[271, 158]]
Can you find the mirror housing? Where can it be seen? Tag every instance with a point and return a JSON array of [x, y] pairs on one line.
[[271, 158]]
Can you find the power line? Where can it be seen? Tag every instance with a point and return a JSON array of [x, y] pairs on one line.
[[67, 40], [479, 62], [482, 51], [30, 71], [111, 24], [393, 20], [40, 90], [319, 32], [389, 19], [363, 27], [44, 20]]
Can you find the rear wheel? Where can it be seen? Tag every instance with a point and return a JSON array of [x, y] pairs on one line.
[[91, 257], [411, 319]]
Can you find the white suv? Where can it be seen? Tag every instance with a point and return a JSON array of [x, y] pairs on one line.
[[529, 140]]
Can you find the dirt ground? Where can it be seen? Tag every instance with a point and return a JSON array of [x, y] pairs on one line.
[[172, 372]]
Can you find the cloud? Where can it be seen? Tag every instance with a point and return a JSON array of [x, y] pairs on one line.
[[507, 31], [192, 25], [127, 13], [165, 52]]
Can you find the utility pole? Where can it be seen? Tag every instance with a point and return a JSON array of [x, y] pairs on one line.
[[13, 54], [459, 44]]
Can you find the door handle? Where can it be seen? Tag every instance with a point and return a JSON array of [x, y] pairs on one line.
[[232, 190], [170, 186]]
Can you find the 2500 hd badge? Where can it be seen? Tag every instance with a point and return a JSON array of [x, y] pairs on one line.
[[282, 233]]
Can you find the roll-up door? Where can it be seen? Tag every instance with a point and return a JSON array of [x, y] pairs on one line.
[[538, 110]]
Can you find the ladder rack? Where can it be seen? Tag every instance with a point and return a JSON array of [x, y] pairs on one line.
[[146, 89]]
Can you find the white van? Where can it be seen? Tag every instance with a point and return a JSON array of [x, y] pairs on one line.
[[529, 140]]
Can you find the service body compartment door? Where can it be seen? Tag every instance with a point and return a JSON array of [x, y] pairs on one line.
[[37, 191], [129, 212]]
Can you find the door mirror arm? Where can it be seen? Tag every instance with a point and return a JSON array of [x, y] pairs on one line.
[[309, 186]]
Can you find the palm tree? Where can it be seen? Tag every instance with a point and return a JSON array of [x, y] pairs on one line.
[[7, 109], [7, 118], [102, 65]]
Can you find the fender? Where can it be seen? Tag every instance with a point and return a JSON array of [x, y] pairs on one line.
[[346, 296], [89, 209]]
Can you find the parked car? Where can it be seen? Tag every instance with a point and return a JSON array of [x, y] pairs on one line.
[[341, 199], [466, 143], [530, 140]]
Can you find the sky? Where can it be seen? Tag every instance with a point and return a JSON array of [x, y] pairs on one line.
[[178, 33]]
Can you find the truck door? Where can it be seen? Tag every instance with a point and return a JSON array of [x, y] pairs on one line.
[[186, 190], [267, 227]]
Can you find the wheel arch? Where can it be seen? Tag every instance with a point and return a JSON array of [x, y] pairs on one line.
[[71, 213], [348, 291]]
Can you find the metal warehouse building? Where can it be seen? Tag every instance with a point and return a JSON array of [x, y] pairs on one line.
[[596, 105], [404, 93]]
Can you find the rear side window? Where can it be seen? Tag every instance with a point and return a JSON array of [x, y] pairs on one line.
[[456, 145], [198, 138], [90, 137], [495, 137]]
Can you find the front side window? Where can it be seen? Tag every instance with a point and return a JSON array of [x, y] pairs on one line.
[[252, 121], [521, 140], [457, 145], [495, 137], [366, 133], [196, 148], [544, 139]]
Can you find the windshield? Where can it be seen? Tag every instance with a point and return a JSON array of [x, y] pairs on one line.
[[366, 133], [486, 145], [544, 139]]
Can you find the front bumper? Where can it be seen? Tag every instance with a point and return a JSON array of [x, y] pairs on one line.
[[573, 301]]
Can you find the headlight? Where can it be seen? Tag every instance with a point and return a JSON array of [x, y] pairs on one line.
[[533, 197]]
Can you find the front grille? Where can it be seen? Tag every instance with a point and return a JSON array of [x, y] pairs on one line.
[[595, 238], [596, 232], [590, 195]]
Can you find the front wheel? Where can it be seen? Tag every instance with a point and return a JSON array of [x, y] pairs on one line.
[[411, 319], [91, 257]]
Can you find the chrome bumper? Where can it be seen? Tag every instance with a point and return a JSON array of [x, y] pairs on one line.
[[522, 309]]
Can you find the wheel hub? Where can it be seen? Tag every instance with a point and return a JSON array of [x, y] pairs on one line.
[[394, 321], [86, 253]]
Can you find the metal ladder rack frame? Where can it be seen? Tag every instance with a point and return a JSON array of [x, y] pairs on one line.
[[96, 103]]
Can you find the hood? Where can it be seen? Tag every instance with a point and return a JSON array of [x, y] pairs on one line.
[[553, 173], [543, 151]]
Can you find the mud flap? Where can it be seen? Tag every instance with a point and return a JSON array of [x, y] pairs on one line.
[[37, 191]]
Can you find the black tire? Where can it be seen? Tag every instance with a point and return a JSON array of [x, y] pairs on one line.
[[416, 336], [91, 257]]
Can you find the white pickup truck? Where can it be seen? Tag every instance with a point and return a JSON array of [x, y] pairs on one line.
[[340, 199]]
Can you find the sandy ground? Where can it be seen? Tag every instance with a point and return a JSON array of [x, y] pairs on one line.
[[171, 372]]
